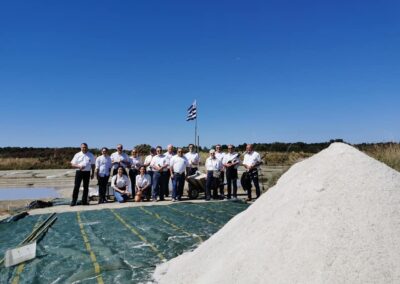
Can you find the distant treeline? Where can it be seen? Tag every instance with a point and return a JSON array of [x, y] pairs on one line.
[[68, 152], [280, 154]]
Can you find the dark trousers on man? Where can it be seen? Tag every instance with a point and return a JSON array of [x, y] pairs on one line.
[[231, 179], [158, 187], [211, 183], [103, 181], [221, 184], [132, 176], [166, 186], [79, 177], [178, 182], [254, 177], [148, 191]]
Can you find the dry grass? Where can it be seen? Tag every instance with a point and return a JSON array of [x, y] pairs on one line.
[[388, 154], [32, 163]]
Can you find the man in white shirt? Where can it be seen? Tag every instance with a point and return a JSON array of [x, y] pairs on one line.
[[159, 163], [252, 162], [220, 156], [193, 160], [119, 159], [103, 169], [213, 167], [178, 164], [84, 162], [231, 163], [169, 154]]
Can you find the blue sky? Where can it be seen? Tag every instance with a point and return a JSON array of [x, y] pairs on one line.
[[109, 72]]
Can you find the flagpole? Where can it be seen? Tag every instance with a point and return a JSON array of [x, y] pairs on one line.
[[195, 130]]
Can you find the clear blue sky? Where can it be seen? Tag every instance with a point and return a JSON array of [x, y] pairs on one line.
[[109, 72]]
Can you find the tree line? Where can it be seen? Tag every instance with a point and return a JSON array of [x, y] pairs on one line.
[[68, 152]]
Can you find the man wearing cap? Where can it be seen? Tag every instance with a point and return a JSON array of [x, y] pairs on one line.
[[213, 167], [84, 162]]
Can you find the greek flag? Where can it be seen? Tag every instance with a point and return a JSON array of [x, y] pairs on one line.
[[192, 112]]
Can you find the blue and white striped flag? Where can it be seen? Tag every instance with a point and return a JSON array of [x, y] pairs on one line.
[[192, 112]]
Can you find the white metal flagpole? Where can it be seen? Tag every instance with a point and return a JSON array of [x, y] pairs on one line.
[[195, 129]]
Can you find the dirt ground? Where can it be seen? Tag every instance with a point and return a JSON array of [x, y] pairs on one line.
[[63, 181]]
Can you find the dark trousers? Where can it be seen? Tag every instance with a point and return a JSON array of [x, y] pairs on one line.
[[231, 179], [132, 176], [221, 184], [102, 188], [79, 177], [178, 182], [158, 187], [148, 192], [211, 183], [166, 186], [254, 178]]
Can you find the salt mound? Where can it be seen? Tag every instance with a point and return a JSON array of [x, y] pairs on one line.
[[333, 218]]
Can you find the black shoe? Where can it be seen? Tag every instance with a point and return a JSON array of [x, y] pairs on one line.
[[72, 203], [85, 203]]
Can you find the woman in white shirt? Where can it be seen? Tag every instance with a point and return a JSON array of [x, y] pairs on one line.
[[135, 162], [143, 184], [120, 184]]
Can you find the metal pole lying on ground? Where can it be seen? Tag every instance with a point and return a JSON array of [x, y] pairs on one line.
[[26, 250]]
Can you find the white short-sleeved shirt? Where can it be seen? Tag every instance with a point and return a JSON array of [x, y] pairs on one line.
[[178, 164], [159, 160], [233, 157], [103, 165], [193, 159], [148, 161], [122, 158], [84, 159], [251, 159], [119, 182], [219, 155], [135, 162], [213, 164], [143, 181], [169, 157]]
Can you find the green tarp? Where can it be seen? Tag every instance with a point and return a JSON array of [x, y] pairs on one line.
[[113, 246]]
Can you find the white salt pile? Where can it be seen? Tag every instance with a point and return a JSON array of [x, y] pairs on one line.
[[334, 218]]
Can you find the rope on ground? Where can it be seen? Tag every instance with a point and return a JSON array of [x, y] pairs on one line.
[[155, 215], [93, 258], [193, 216], [134, 231], [216, 211]]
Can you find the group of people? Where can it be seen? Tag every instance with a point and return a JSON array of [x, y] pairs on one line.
[[149, 178]]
